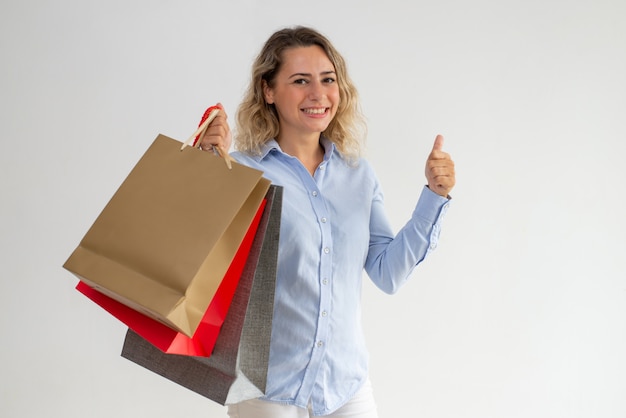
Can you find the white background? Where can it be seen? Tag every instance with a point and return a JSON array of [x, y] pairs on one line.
[[521, 312]]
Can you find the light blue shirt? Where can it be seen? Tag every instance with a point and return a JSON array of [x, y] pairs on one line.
[[333, 226]]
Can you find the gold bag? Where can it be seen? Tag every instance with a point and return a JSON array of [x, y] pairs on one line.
[[169, 233]]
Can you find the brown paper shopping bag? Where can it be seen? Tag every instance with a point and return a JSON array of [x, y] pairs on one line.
[[168, 235], [241, 352], [203, 340]]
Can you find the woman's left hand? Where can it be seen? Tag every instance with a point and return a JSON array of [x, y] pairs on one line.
[[440, 169]]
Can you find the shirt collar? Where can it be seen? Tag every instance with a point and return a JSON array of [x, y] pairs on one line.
[[272, 145]]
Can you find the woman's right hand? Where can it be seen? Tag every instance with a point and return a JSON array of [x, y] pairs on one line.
[[217, 134]]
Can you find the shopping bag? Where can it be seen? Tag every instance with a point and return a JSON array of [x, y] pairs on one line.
[[167, 237], [241, 352], [203, 340]]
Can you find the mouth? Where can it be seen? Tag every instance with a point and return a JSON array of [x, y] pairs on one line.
[[316, 111]]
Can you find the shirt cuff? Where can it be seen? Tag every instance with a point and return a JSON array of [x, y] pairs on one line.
[[431, 206]]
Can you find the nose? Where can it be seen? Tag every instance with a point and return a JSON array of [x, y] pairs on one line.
[[316, 90]]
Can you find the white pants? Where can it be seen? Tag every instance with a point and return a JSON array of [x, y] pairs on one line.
[[362, 405]]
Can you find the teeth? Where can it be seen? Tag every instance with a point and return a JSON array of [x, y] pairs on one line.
[[314, 111]]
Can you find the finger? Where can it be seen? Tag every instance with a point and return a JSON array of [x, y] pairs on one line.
[[438, 145], [442, 185], [222, 113], [217, 135], [442, 170]]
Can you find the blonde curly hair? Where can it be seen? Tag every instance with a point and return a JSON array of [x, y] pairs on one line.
[[257, 121]]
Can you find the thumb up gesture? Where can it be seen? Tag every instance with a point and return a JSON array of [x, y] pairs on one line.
[[440, 169]]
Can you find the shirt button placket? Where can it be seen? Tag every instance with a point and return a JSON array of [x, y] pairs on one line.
[[325, 266]]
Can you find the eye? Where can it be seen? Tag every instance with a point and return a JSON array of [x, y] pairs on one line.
[[300, 81], [329, 80]]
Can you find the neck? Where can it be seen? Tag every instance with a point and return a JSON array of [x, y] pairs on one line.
[[310, 152]]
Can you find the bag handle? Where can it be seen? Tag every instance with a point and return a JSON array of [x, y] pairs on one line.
[[200, 131]]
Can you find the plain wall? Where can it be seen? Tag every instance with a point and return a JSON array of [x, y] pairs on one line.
[[521, 311]]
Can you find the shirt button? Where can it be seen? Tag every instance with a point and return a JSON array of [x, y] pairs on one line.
[[314, 192], [323, 220], [320, 343], [324, 281], [326, 250], [324, 313]]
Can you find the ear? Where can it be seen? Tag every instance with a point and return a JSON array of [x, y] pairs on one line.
[[268, 94]]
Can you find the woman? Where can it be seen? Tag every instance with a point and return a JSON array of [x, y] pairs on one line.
[[300, 124]]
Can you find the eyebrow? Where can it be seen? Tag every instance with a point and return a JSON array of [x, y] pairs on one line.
[[309, 75]]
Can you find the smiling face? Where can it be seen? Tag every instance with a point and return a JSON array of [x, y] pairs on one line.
[[305, 93]]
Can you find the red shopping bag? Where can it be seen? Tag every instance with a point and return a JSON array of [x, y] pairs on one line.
[[168, 340]]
